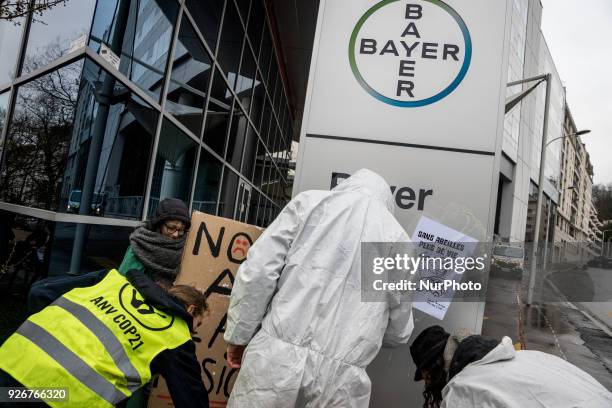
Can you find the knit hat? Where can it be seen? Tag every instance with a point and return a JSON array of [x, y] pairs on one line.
[[427, 347], [171, 209]]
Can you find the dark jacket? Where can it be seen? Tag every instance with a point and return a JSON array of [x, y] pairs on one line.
[[179, 366]]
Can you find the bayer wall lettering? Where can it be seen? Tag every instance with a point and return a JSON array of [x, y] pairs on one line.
[[413, 90]]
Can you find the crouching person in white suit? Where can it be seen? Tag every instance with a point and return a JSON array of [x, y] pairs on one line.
[[296, 301], [480, 372]]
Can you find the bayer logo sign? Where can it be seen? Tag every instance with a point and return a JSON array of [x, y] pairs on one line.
[[410, 53]]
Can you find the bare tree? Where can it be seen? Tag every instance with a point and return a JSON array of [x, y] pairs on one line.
[[12, 10]]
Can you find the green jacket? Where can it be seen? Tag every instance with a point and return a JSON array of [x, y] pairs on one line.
[[131, 262]]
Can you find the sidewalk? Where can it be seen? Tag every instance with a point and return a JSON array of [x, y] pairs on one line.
[[557, 328]]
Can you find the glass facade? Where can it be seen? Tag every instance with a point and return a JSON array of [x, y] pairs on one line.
[[133, 102], [516, 62]]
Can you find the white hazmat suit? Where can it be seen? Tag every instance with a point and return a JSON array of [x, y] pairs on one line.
[[296, 301], [506, 378]]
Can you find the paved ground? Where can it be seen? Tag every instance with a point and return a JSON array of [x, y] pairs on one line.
[[556, 325], [589, 289]]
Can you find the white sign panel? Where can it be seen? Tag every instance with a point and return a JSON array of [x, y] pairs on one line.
[[423, 72]]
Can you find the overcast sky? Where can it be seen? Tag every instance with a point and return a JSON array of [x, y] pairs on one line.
[[579, 36]]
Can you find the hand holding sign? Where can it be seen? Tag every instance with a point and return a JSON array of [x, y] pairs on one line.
[[234, 355]]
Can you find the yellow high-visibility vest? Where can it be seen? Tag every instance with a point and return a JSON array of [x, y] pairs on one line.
[[98, 342]]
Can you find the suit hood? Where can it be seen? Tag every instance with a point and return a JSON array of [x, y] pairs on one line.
[[370, 183]]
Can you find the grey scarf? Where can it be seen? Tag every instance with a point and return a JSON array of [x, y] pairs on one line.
[[160, 255]]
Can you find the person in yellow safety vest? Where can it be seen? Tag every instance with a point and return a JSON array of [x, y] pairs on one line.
[[105, 341]]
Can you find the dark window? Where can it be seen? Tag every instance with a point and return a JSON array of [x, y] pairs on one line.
[[189, 80], [174, 166], [4, 100], [250, 151], [254, 207], [229, 188], [56, 32], [260, 162], [246, 79], [279, 94], [231, 43], [265, 55], [10, 41], [38, 139], [236, 137], [139, 32], [257, 102], [256, 22], [272, 76], [218, 115], [243, 7], [267, 126], [207, 183], [207, 16]]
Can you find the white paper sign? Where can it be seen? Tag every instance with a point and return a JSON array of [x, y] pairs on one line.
[[436, 240]]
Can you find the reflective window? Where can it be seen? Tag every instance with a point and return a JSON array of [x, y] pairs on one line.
[[236, 137], [4, 100], [267, 126], [56, 32], [256, 22], [258, 98], [260, 162], [250, 150], [109, 152], [229, 188], [243, 7], [10, 40], [279, 94], [218, 115], [38, 139], [207, 15], [264, 117], [189, 79], [272, 74], [230, 44], [139, 32], [265, 55], [174, 166], [207, 183], [93, 160], [246, 79], [254, 207]]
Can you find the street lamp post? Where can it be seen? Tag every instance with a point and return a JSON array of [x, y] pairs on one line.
[[536, 233]]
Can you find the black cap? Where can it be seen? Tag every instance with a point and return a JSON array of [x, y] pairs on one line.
[[171, 209], [427, 347]]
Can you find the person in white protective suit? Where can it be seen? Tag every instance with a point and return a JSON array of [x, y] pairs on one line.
[[296, 301], [480, 372]]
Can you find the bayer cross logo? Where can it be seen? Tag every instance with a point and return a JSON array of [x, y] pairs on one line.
[[410, 53]]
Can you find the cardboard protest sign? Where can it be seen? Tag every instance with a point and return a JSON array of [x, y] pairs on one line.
[[214, 250]]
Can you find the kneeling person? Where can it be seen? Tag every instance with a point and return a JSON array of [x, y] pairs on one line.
[[480, 372]]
